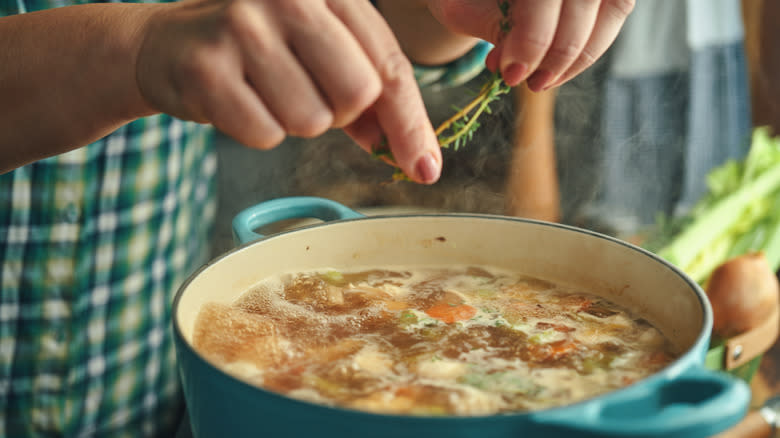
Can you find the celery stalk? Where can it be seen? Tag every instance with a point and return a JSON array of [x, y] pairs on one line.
[[772, 247], [715, 222], [741, 213]]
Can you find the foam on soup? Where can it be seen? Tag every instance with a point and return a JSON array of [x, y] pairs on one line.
[[429, 341]]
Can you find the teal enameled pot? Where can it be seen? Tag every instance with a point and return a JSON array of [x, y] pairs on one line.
[[682, 400]]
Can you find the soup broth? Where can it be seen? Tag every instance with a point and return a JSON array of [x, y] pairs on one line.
[[429, 341]]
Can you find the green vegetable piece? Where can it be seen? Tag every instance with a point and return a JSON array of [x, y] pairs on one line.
[[728, 221], [335, 278], [504, 382], [408, 317]]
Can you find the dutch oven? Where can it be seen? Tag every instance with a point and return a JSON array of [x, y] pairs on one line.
[[684, 399]]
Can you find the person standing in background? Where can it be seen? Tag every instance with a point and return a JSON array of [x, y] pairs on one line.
[[675, 104]]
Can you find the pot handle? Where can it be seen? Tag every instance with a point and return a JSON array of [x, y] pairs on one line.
[[295, 207], [698, 403]]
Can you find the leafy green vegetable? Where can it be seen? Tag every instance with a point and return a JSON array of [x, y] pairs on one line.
[[739, 214]]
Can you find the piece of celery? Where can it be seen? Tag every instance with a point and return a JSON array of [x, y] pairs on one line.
[[739, 214]]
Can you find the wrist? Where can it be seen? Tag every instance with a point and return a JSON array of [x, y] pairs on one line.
[[142, 17]]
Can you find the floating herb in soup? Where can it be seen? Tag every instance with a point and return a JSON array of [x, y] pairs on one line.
[[446, 341]]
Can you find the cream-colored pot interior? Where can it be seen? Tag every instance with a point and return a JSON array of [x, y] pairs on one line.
[[597, 264]]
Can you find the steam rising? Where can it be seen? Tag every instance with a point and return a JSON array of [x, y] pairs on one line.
[[472, 179]]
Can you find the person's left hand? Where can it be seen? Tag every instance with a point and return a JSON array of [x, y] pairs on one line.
[[547, 42]]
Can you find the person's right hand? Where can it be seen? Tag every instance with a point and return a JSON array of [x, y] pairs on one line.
[[547, 42], [259, 70]]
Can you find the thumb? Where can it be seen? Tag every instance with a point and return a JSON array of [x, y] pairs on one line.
[[477, 18]]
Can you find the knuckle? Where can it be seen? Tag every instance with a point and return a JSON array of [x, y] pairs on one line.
[[536, 43], [359, 98], [353, 101], [236, 16], [201, 76], [566, 52], [298, 11], [311, 124], [620, 8], [240, 24], [197, 67], [395, 69], [587, 58], [267, 138]]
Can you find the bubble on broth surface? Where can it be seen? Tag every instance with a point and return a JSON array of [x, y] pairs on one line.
[[226, 333]]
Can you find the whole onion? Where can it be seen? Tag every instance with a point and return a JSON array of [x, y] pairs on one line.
[[743, 292]]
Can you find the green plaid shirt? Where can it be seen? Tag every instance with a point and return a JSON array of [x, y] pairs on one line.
[[93, 245]]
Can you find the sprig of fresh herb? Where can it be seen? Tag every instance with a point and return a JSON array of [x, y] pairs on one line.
[[460, 128]]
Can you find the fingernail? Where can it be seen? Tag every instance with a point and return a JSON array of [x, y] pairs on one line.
[[539, 80], [514, 74], [428, 169]]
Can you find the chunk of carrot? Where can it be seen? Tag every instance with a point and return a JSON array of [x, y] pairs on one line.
[[658, 358], [552, 351], [562, 348], [449, 313]]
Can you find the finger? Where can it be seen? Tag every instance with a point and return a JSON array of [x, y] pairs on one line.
[[283, 85], [229, 103], [366, 131], [492, 59], [336, 62], [239, 114], [533, 25], [575, 25], [400, 110], [611, 16]]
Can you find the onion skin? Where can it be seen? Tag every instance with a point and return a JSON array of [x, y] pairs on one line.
[[743, 292]]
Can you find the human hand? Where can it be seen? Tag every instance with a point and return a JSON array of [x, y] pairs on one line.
[[259, 70], [547, 42]]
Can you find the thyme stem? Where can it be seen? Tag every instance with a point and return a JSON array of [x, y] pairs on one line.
[[490, 92], [463, 112]]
